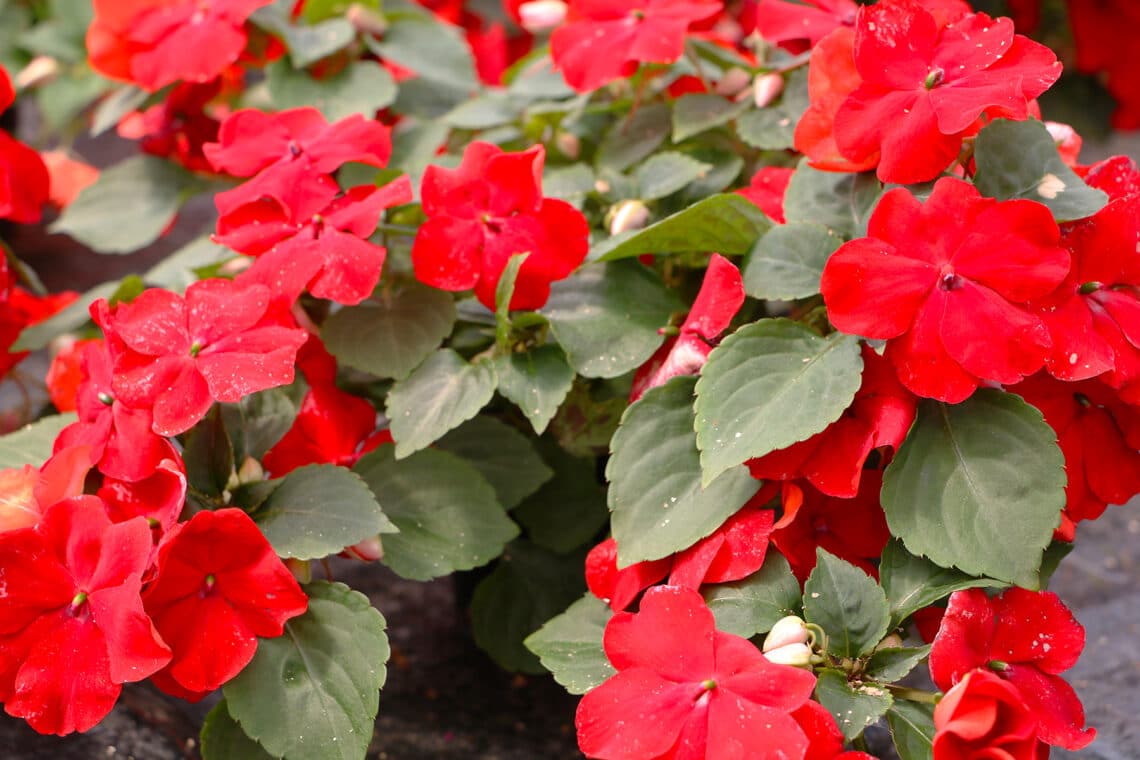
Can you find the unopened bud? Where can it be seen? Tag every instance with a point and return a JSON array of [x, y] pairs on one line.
[[366, 20], [894, 641], [766, 88], [368, 550], [40, 70], [787, 630], [250, 471], [628, 215], [796, 655], [300, 568], [568, 144], [539, 16], [733, 81]]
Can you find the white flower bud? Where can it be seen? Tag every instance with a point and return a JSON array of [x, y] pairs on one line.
[[787, 630], [628, 215], [766, 88], [733, 81], [540, 16], [796, 655], [40, 70]]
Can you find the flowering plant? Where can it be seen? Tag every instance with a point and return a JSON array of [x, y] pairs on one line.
[[850, 331]]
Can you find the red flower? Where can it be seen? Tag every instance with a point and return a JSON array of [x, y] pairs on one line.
[[879, 417], [321, 246], [799, 27], [944, 282], [485, 211], [983, 716], [176, 355], [24, 182], [1099, 435], [27, 492], [733, 551], [72, 625], [18, 309], [684, 689], [924, 86], [720, 297], [64, 375], [767, 189], [855, 530], [1027, 638], [1104, 44], [178, 127], [219, 587], [156, 42], [603, 40], [1116, 175]]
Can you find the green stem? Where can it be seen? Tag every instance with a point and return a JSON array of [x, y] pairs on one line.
[[399, 229], [914, 695]]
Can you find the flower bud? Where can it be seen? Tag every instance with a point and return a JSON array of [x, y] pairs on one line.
[[366, 20], [250, 471], [796, 655], [894, 641], [300, 568], [539, 16], [568, 144], [733, 81], [40, 70], [766, 88], [368, 550], [787, 630], [628, 215]]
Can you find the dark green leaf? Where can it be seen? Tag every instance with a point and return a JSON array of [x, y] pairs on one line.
[[503, 455], [441, 394], [587, 419], [839, 201], [128, 207], [537, 381], [309, 44], [978, 486], [312, 694], [32, 444], [788, 261], [767, 128], [912, 583], [729, 224], [659, 507], [1019, 159], [753, 605], [570, 645], [434, 50], [390, 334], [569, 183], [570, 508], [528, 587], [223, 739], [176, 271], [633, 138], [504, 291], [259, 421], [319, 509], [665, 173], [769, 385], [37, 336], [114, 107], [912, 728], [696, 112], [606, 316], [209, 455], [893, 663], [447, 513], [854, 706], [362, 87], [486, 110], [847, 604]]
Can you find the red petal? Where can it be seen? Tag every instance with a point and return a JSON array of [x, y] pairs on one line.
[[1060, 716], [964, 638], [671, 635], [634, 714], [874, 290]]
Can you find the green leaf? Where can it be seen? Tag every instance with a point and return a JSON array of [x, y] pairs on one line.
[[839, 201], [894, 663], [111, 110], [259, 421], [848, 604], [728, 223], [128, 207], [912, 728], [319, 10], [434, 50], [222, 738], [570, 508], [528, 587], [504, 291], [588, 418], [634, 138], [362, 87], [912, 583], [569, 183], [769, 385], [854, 706], [658, 504], [978, 486], [77, 314], [441, 394], [319, 509], [176, 271], [32, 444], [209, 455], [570, 645], [767, 128], [313, 693], [537, 381], [665, 173], [391, 333], [753, 605], [1019, 159], [606, 316], [447, 513], [309, 44], [486, 110], [696, 112], [788, 261], [503, 455]]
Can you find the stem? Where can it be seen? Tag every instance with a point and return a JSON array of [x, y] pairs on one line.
[[399, 229], [914, 695], [798, 62]]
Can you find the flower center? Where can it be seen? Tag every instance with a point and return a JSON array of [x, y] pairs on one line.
[[637, 14], [1090, 287], [951, 281], [105, 398], [78, 606], [195, 348], [934, 78], [208, 586], [708, 685]]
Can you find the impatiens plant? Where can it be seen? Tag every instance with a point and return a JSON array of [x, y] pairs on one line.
[[760, 351]]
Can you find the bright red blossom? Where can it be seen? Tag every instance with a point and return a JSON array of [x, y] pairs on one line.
[[603, 40], [685, 690], [799, 27], [219, 586], [1026, 638], [945, 283], [767, 189], [984, 717], [177, 355], [486, 210]]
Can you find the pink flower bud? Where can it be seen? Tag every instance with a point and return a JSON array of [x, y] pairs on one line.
[[366, 20], [733, 81], [368, 550], [40, 70], [628, 215], [766, 88], [540, 16], [796, 655], [787, 630], [568, 144]]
